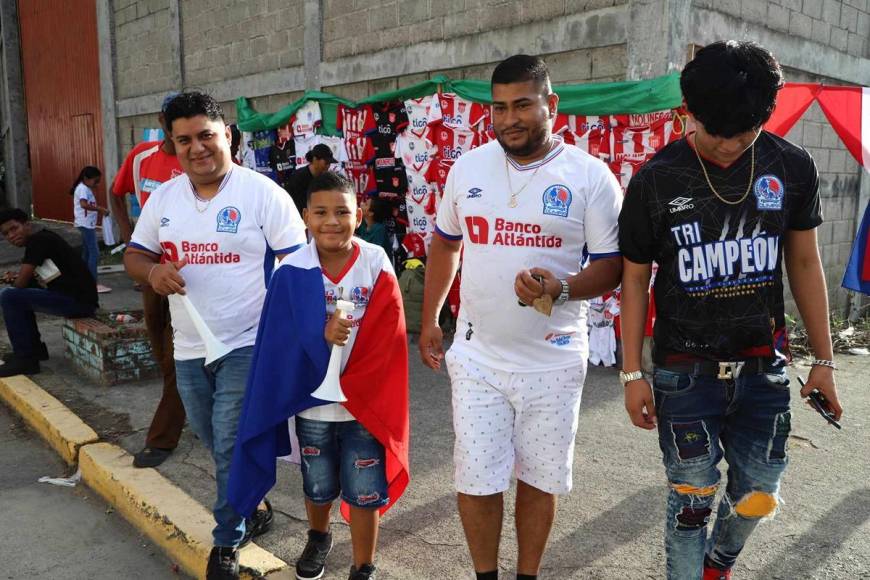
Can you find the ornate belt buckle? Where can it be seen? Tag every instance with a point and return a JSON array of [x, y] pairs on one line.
[[729, 370]]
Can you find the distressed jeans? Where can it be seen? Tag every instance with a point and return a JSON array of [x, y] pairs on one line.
[[702, 419], [213, 396]]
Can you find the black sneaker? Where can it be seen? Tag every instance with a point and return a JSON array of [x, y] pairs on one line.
[[259, 524], [19, 366], [312, 562], [151, 457], [365, 572], [223, 564]]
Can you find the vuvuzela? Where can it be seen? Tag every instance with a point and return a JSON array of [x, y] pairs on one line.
[[330, 388], [214, 349]]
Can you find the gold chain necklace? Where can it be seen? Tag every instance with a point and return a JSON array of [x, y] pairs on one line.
[[513, 201], [710, 184]]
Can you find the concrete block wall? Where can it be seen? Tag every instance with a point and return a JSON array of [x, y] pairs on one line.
[[143, 61], [352, 27], [225, 39], [843, 25]]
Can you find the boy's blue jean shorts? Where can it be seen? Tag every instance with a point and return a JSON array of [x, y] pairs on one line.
[[341, 458]]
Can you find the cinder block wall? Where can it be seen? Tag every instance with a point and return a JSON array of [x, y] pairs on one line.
[[356, 48]]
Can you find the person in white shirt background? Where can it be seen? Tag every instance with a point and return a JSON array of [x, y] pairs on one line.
[[521, 209], [208, 234], [85, 211]]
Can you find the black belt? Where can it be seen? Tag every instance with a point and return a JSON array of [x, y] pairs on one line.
[[721, 369]]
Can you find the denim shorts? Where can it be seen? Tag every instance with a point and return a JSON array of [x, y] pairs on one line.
[[341, 458]]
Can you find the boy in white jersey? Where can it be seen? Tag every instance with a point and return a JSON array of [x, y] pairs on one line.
[[209, 234], [522, 206], [356, 451]]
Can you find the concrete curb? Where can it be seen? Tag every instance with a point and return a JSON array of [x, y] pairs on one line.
[[60, 427], [177, 523], [150, 502]]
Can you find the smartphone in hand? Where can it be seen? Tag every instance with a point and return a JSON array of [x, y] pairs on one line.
[[818, 402]]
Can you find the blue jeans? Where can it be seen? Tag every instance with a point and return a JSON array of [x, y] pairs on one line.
[[341, 458], [19, 308], [90, 250], [702, 419], [212, 397]]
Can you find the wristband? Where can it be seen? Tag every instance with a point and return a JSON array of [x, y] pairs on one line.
[[824, 363], [151, 271]]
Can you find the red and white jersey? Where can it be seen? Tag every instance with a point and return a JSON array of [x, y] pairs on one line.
[[568, 201], [588, 132], [418, 114], [359, 150], [454, 112], [303, 146], [363, 177], [438, 171], [415, 152], [453, 143], [354, 284], [356, 122], [306, 120], [226, 242], [635, 139]]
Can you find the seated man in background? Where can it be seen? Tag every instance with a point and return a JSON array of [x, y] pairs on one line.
[[68, 289]]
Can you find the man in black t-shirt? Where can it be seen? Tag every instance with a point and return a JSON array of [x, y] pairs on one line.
[[68, 289], [720, 211]]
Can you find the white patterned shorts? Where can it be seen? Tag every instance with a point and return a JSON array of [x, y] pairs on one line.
[[513, 422]]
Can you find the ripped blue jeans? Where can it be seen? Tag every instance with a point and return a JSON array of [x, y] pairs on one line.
[[702, 419], [342, 458]]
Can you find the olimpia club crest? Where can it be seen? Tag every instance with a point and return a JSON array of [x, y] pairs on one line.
[[228, 220], [557, 200], [769, 192]]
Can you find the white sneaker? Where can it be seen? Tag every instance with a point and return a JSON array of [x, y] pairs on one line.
[[103, 289]]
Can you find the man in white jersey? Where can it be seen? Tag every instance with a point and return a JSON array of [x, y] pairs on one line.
[[523, 207], [207, 234]]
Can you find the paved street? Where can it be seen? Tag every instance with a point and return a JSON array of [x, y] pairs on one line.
[[63, 533], [608, 528]]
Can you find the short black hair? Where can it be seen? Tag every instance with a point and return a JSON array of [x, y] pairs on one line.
[[192, 104], [730, 87], [13, 213], [382, 209], [330, 181], [521, 68]]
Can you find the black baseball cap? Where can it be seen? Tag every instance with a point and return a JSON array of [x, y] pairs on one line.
[[320, 151]]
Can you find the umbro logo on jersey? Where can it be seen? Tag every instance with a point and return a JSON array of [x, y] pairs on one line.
[[164, 222], [473, 193], [681, 204]]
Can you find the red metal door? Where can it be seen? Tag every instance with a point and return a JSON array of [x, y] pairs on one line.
[[59, 58]]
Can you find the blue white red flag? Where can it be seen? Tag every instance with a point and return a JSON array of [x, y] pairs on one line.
[[290, 361], [857, 275]]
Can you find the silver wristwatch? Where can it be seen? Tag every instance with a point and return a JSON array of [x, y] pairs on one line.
[[563, 295], [626, 378]]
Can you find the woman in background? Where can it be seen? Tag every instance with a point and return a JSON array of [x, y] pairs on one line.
[[86, 210]]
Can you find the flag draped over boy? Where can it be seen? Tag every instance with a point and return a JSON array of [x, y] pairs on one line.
[[290, 362]]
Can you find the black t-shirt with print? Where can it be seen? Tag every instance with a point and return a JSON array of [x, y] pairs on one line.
[[718, 290], [282, 160], [390, 120], [75, 280]]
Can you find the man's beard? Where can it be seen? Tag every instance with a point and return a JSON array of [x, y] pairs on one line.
[[537, 138]]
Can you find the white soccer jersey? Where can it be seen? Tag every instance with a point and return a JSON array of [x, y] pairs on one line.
[[355, 284], [304, 145], [226, 242], [419, 204], [566, 201], [306, 119], [418, 114], [84, 218], [415, 152], [339, 152]]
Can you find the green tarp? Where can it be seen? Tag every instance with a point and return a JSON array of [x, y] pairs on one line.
[[645, 96]]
